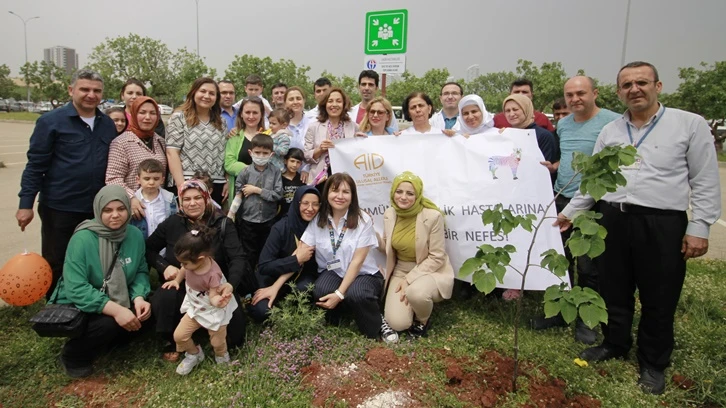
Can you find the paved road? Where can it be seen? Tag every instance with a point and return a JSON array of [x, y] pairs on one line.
[[14, 145]]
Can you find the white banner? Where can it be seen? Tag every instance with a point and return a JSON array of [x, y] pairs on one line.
[[463, 177]]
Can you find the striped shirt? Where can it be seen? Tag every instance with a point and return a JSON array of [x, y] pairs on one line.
[[125, 154], [201, 147]]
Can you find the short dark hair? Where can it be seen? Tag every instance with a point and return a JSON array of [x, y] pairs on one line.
[[461, 89], [203, 176], [151, 166], [323, 113], [334, 183], [262, 140], [279, 85], [321, 82], [369, 73], [522, 82], [416, 94], [253, 80], [133, 81], [195, 243], [281, 114], [225, 81], [638, 64], [295, 153], [559, 104]]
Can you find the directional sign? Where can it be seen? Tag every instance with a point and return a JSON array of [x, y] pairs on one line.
[[386, 64], [386, 32]]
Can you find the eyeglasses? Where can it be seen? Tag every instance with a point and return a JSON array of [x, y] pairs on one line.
[[641, 83], [306, 204], [445, 94], [377, 112]]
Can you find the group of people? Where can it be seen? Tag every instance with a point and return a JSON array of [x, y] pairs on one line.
[[252, 204]]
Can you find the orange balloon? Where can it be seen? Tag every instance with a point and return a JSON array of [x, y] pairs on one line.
[[25, 279]]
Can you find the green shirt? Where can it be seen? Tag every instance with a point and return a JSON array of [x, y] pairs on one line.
[[404, 239], [83, 275]]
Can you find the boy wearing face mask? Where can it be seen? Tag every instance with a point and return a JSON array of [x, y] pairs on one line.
[[259, 190]]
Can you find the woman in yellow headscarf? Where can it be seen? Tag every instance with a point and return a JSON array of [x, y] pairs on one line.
[[419, 272]]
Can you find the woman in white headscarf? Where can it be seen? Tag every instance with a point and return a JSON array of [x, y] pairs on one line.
[[473, 117]]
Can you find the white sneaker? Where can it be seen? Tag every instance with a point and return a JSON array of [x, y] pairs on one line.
[[222, 360], [388, 335], [190, 361]]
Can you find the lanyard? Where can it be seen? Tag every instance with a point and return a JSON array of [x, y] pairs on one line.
[[340, 238], [647, 132]]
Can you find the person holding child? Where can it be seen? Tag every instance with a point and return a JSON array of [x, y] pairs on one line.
[[158, 203], [196, 211], [137, 144], [259, 188], [250, 121], [419, 272], [282, 259], [279, 120], [106, 276], [205, 304], [342, 236]]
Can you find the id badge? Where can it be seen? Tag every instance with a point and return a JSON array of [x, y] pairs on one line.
[[335, 264], [635, 166]]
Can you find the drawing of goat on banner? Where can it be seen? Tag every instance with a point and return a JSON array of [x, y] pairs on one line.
[[511, 161]]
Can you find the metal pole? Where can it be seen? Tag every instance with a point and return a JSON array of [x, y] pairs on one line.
[[625, 36], [197, 1], [25, 35]]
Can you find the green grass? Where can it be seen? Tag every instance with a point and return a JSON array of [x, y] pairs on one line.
[[267, 370], [721, 156], [26, 116]]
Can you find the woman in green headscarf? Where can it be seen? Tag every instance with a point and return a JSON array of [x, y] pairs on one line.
[[115, 304], [418, 270]]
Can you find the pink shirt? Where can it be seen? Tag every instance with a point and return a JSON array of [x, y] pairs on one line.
[[209, 280]]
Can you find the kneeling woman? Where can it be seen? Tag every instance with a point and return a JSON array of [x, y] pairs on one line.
[[342, 236], [281, 258], [116, 306], [413, 239]]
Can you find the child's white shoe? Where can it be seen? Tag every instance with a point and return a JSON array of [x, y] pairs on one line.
[[222, 360], [190, 361]]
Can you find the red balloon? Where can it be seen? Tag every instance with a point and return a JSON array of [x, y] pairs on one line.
[[25, 279]]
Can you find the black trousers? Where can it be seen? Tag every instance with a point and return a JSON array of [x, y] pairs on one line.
[[643, 251], [165, 305], [217, 193], [56, 230], [362, 299], [259, 311], [586, 276], [101, 332], [253, 236]]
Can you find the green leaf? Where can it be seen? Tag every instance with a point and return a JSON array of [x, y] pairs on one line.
[[568, 310], [551, 308], [484, 282], [597, 247], [469, 266], [499, 271], [486, 248], [589, 227], [554, 292], [590, 315], [510, 248], [602, 232], [578, 245], [489, 216], [596, 190], [595, 298]]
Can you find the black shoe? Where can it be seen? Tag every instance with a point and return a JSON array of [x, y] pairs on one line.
[[419, 329], [75, 372], [652, 381], [601, 353], [544, 323], [584, 334]]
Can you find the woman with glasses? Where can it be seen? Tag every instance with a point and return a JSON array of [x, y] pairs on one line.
[[377, 117]]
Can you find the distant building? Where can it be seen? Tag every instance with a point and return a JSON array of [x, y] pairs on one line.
[[472, 72], [63, 57]]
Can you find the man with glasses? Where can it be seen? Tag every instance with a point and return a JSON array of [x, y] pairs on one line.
[[649, 235], [450, 96], [226, 102]]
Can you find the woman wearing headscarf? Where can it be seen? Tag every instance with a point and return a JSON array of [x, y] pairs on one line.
[[519, 111], [116, 306], [196, 208], [419, 272], [138, 143], [282, 259], [473, 116]]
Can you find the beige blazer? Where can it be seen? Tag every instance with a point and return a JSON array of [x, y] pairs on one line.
[[317, 132], [431, 256]]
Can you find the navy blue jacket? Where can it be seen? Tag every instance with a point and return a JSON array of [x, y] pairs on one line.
[[66, 160]]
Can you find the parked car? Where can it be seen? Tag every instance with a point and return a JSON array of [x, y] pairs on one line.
[[166, 109], [4, 107], [26, 106], [15, 107], [45, 107]]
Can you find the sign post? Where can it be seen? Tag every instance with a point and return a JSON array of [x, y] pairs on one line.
[[386, 33]]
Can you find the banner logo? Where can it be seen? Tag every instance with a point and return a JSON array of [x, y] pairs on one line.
[[368, 161]]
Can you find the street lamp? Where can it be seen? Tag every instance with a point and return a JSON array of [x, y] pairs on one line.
[[25, 32], [625, 36], [197, 1]]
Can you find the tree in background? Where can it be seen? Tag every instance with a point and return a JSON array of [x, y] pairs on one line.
[[49, 81], [7, 87], [271, 72], [549, 81], [492, 87], [430, 84], [346, 82]]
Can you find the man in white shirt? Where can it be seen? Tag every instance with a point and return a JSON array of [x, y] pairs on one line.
[[254, 87], [368, 88], [320, 88], [450, 96]]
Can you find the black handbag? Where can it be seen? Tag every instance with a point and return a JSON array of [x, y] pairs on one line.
[[55, 320]]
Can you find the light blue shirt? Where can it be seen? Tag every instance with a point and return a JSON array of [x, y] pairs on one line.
[[577, 137], [229, 119]]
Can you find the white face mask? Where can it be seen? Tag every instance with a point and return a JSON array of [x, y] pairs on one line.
[[260, 160]]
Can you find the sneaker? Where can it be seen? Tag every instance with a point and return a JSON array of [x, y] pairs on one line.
[[190, 361], [419, 329], [223, 359], [388, 335]]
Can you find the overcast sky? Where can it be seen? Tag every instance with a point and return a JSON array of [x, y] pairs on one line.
[[328, 34]]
